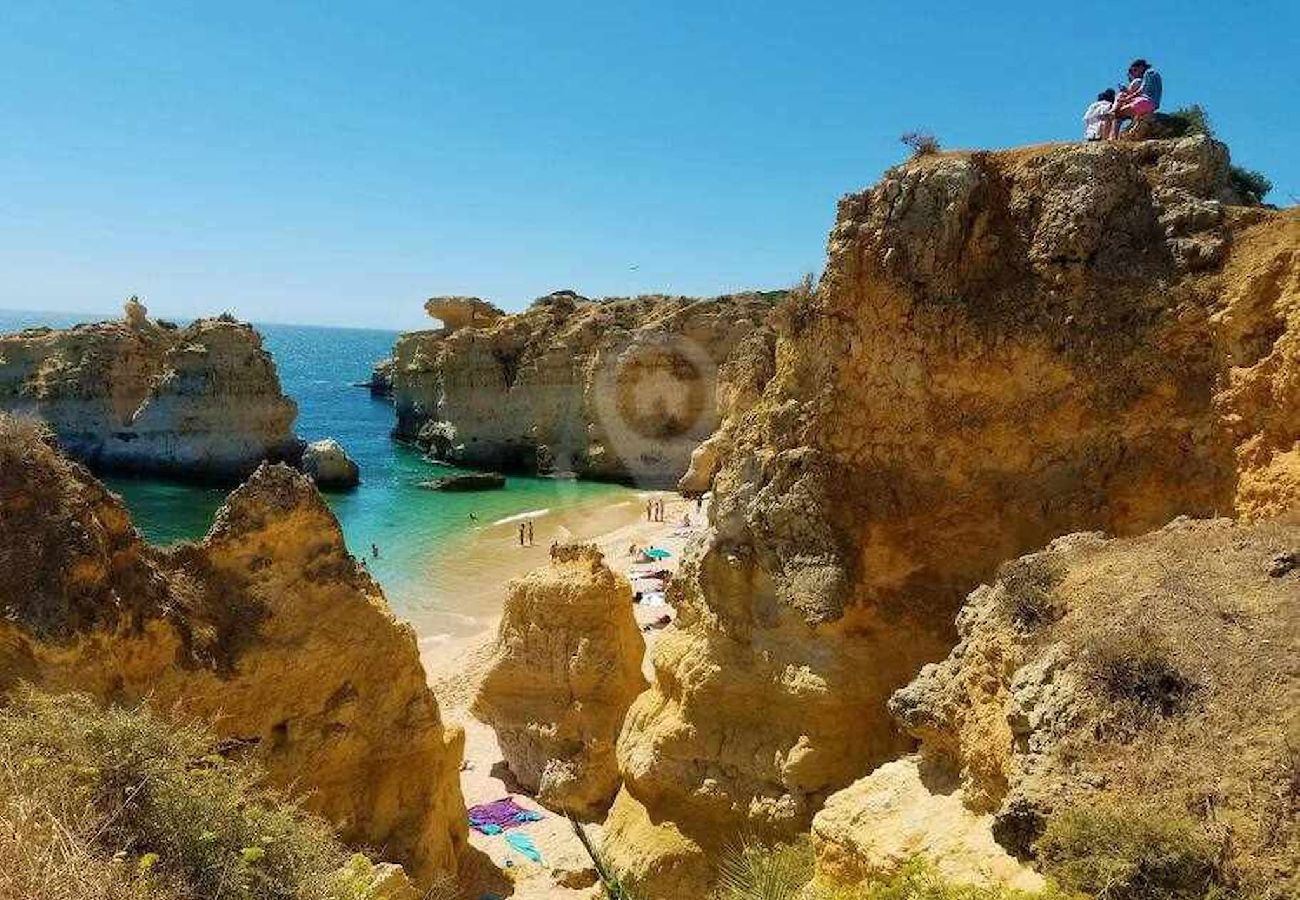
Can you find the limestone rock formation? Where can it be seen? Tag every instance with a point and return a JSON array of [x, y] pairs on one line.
[[328, 464], [461, 312], [1005, 347], [880, 823], [617, 389], [381, 379], [565, 668], [267, 630], [135, 395], [1157, 671]]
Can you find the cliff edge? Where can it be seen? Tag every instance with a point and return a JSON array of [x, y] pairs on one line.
[[1005, 347]]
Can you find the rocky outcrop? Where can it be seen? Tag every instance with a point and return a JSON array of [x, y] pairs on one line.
[[203, 402], [565, 668], [267, 630], [467, 481], [462, 312], [1005, 347], [381, 379], [328, 464], [616, 389], [1156, 671]]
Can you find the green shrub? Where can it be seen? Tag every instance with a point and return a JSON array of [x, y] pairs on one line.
[[752, 871], [1251, 185], [1114, 852], [115, 804], [1192, 120]]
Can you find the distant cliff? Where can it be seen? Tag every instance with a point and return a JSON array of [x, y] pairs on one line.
[[1005, 347], [266, 630], [620, 389], [201, 402]]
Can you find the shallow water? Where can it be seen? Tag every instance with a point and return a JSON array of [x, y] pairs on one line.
[[428, 551]]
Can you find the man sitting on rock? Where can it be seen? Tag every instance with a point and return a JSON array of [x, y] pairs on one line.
[[1139, 99]]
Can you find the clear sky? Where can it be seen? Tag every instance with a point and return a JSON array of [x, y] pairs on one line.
[[339, 162]]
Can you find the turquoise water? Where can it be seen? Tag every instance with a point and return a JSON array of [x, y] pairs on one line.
[[421, 534]]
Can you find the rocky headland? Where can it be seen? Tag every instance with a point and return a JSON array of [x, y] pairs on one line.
[[142, 396], [1005, 347], [618, 389], [266, 631]]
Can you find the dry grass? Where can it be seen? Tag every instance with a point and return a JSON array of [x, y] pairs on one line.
[[114, 804]]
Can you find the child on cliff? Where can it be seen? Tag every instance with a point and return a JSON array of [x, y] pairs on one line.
[[1097, 117]]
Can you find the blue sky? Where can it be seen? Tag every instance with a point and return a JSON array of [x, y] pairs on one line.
[[338, 163]]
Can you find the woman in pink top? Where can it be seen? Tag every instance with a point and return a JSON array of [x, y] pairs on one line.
[[1140, 98]]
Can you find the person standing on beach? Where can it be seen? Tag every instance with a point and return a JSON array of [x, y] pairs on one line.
[[649, 504], [530, 532], [521, 534]]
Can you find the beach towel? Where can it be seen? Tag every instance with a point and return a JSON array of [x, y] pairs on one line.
[[657, 553], [499, 815], [653, 598], [524, 844]]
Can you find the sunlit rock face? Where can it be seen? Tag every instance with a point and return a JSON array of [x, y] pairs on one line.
[[202, 402], [565, 666], [1005, 347], [621, 389], [266, 630]]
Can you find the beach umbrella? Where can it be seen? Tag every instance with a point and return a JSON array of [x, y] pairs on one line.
[[657, 553]]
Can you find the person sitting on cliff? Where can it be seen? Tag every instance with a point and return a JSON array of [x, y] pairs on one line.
[[1139, 99], [1097, 117]]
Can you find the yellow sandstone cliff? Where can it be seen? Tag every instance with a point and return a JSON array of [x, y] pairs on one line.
[[1005, 347], [565, 667], [618, 389], [136, 395], [267, 630], [1153, 673]]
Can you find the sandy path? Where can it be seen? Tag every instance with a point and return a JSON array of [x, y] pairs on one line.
[[456, 669]]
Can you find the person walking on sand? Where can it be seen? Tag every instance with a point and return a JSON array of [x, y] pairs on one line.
[[530, 532], [649, 505], [521, 534]]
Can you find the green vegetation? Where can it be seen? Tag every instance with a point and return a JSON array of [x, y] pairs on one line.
[[115, 804], [750, 871], [1114, 852], [1253, 186], [1191, 120]]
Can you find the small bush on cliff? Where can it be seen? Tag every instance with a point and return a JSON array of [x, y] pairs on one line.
[[1135, 671], [1191, 120], [1127, 852], [921, 143], [114, 804], [1028, 587], [1253, 186], [751, 871]]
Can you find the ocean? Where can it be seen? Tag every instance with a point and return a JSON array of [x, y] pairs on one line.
[[423, 536]]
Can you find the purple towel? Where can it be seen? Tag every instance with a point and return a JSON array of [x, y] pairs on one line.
[[504, 813]]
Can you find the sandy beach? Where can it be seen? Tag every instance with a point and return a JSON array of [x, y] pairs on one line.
[[456, 665]]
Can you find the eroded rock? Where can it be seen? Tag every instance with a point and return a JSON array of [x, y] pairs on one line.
[[620, 389], [565, 668], [266, 630], [199, 402], [328, 464], [1005, 347]]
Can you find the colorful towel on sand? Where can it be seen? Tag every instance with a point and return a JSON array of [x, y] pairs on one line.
[[499, 815], [524, 844]]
